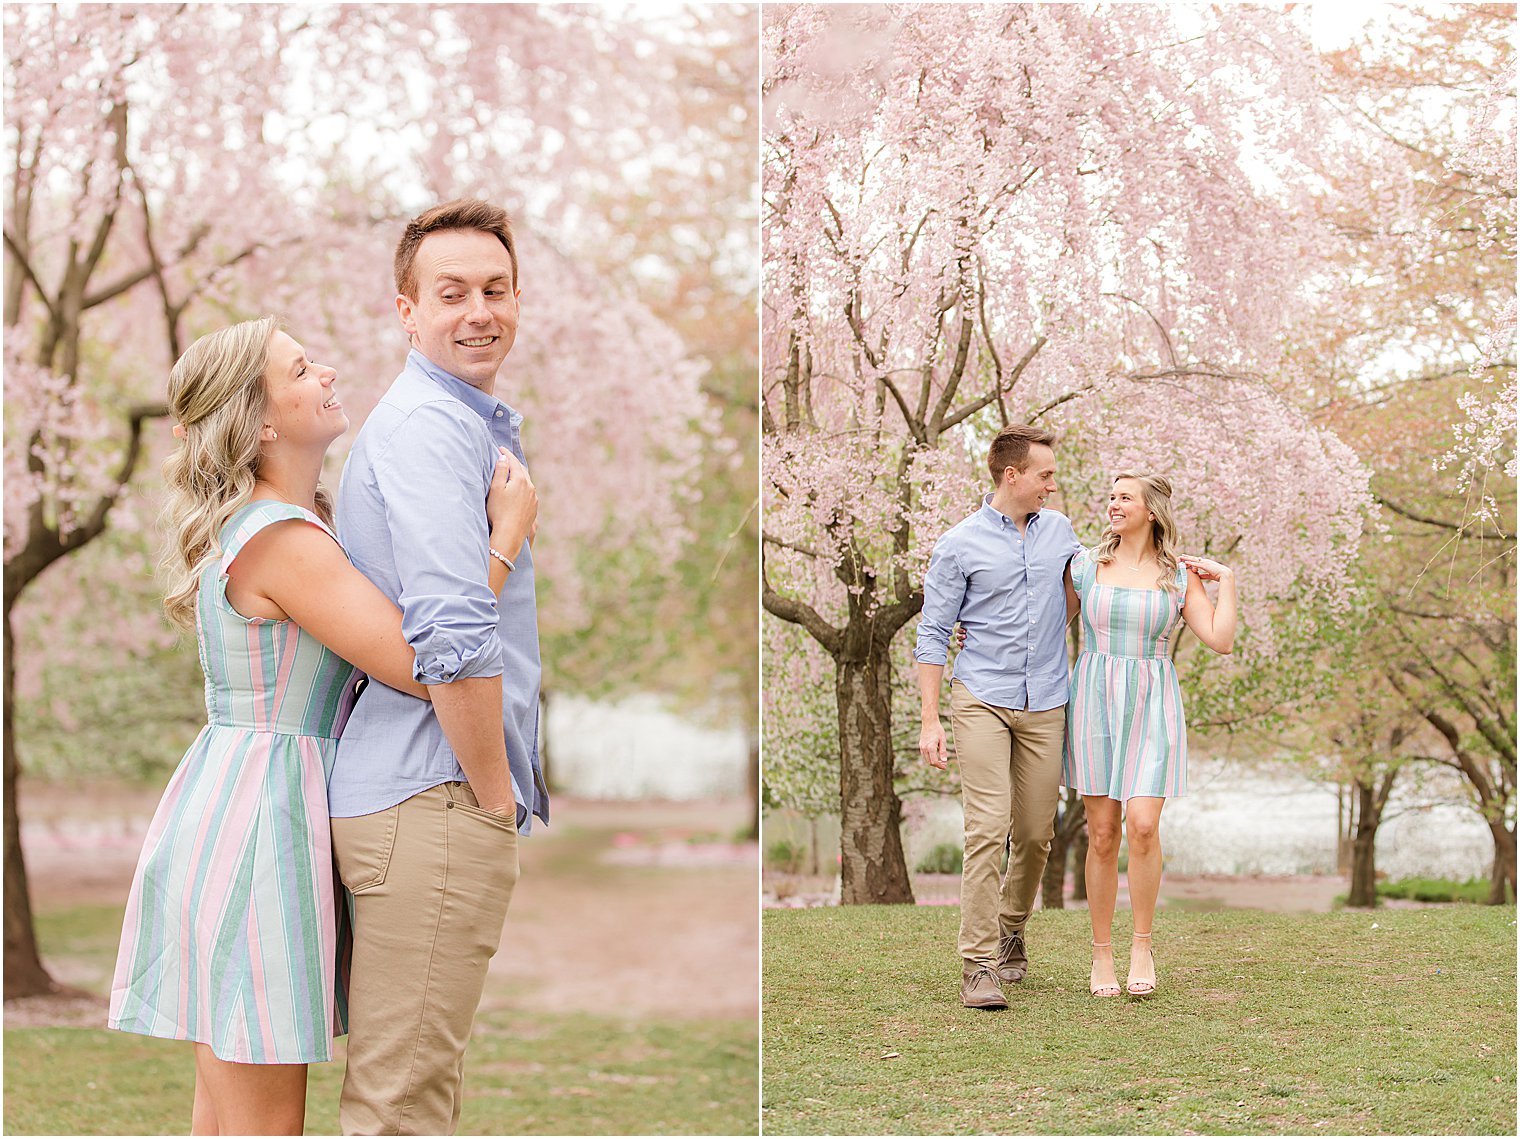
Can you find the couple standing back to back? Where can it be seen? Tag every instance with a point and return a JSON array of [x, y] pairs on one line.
[[1012, 575]]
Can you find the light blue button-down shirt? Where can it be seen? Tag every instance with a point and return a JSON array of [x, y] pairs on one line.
[[1008, 591], [411, 514]]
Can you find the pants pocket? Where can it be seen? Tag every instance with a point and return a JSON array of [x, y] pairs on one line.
[[462, 798], [483, 852], [362, 848]]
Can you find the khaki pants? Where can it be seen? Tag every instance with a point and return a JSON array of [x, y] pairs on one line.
[[1010, 783], [431, 878]]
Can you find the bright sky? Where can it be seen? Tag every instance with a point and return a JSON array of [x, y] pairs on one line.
[[1334, 24]]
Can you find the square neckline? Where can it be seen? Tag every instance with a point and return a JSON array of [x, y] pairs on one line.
[[1180, 595], [1131, 588]]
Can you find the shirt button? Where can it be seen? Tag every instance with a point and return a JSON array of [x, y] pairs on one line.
[[498, 413]]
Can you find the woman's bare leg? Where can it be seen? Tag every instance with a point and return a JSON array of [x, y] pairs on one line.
[[250, 1099], [1143, 824], [1103, 823], [203, 1113]]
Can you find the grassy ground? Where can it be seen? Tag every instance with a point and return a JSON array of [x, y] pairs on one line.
[[1399, 1022], [568, 1075], [643, 1054]]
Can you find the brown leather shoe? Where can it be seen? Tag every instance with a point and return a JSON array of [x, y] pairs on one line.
[[979, 988], [1013, 961]]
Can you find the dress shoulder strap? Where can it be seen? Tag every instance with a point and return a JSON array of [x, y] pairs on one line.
[[252, 518], [1082, 569]]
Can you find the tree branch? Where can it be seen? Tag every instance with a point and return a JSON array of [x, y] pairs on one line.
[[800, 613], [136, 417], [1013, 378], [1457, 527], [30, 274]]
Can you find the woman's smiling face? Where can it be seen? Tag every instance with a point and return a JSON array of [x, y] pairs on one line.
[[303, 404]]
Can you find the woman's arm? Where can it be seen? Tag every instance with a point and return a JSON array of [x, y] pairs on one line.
[[306, 575], [1213, 625], [1073, 602]]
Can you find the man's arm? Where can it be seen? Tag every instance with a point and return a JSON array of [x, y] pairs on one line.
[[944, 590], [469, 712], [434, 478], [931, 735]]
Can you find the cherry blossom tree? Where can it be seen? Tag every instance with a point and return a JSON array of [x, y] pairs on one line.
[[173, 168], [1094, 219], [696, 222], [1485, 159], [1415, 336]]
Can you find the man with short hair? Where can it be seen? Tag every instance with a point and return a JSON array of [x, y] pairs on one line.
[[427, 798], [1002, 574]]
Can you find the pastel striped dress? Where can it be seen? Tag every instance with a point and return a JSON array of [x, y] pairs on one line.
[[1125, 733], [231, 935]]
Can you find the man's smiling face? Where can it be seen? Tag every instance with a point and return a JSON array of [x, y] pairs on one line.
[[464, 317]]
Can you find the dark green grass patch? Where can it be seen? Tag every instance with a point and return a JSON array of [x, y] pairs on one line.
[[1474, 890]]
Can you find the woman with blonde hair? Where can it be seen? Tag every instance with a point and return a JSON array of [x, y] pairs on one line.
[[231, 937], [1126, 737]]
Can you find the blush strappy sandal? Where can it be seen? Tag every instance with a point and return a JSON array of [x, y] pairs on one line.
[[1102, 990], [1142, 988]]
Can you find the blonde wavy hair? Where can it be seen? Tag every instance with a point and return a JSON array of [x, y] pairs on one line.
[[1156, 490], [218, 395]]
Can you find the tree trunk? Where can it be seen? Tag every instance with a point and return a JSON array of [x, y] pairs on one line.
[[752, 788], [1070, 822], [1502, 884], [1363, 874], [544, 766], [1053, 882], [1342, 831], [24, 972], [1368, 814], [872, 868], [1079, 865]]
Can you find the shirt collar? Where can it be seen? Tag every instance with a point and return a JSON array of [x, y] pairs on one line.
[[1001, 520], [472, 397]]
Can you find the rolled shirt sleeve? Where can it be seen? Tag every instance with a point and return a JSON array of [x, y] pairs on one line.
[[944, 590], [434, 509]]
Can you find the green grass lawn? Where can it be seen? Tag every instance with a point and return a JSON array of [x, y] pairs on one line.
[[569, 1075], [1399, 1022], [572, 1074]]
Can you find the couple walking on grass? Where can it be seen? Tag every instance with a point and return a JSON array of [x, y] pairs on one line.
[[338, 853], [1012, 576]]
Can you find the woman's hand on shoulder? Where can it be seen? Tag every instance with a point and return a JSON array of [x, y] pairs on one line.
[[1206, 569], [511, 504]]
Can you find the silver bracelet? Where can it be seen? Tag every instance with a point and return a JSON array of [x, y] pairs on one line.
[[501, 557]]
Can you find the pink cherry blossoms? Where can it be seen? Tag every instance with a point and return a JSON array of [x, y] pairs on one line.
[[978, 216]]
